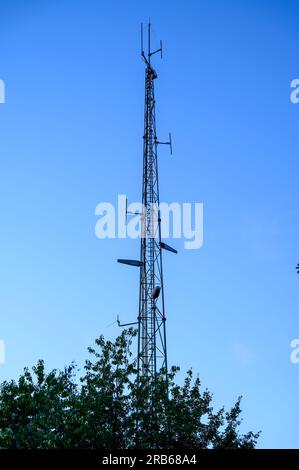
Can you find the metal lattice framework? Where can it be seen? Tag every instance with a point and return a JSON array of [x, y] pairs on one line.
[[151, 325], [152, 350]]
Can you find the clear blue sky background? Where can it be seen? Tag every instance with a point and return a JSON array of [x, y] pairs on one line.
[[71, 137]]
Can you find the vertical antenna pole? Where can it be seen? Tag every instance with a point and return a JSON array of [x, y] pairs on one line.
[[149, 40], [141, 37]]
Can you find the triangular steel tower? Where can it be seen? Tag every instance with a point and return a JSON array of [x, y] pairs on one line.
[[152, 350]]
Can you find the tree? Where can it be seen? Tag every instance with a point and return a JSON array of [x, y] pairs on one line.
[[108, 408]]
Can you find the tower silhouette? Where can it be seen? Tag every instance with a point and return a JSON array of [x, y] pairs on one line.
[[152, 346]]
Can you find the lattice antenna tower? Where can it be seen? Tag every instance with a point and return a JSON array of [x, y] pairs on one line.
[[151, 321]]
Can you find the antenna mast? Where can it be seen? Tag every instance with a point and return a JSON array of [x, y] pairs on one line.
[[152, 347]]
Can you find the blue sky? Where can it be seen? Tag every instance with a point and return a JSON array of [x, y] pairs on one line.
[[71, 137]]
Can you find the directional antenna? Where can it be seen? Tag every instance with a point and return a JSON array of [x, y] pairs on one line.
[[131, 262], [125, 324], [156, 292], [168, 248]]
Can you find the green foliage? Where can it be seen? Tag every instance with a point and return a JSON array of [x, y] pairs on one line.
[[109, 409]]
